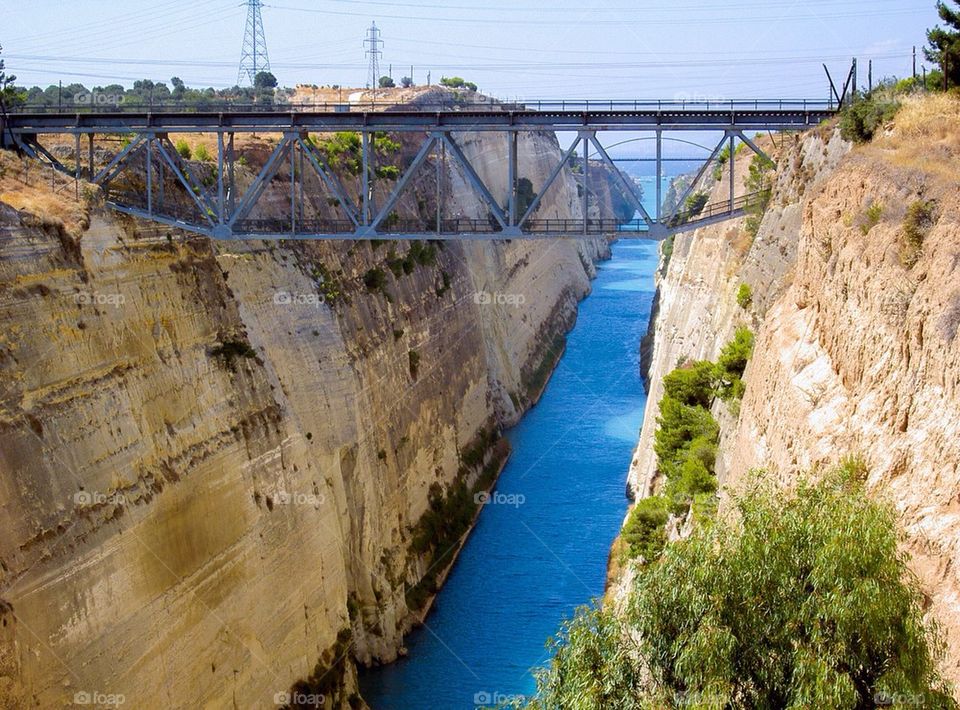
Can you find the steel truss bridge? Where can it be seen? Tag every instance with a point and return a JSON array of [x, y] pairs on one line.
[[217, 207]]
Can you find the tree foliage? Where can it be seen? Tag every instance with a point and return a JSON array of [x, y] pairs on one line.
[[944, 42], [799, 600]]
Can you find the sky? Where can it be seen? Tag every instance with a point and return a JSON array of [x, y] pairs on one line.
[[598, 49]]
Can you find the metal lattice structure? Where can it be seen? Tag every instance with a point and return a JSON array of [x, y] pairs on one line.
[[373, 43], [166, 188], [253, 56]]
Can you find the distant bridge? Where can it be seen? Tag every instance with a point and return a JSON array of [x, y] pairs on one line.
[[218, 208]]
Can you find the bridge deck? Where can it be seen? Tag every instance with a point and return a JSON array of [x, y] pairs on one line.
[[738, 116]]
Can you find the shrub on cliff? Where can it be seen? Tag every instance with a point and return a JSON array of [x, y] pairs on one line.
[[732, 363], [745, 296], [644, 530], [860, 120], [799, 600]]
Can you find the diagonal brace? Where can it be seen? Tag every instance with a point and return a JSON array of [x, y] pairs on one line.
[[624, 182], [475, 180], [108, 173], [260, 182], [693, 183], [550, 180], [331, 180], [187, 171], [398, 190], [204, 208], [753, 146]]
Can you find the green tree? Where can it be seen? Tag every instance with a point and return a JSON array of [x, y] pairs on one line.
[[179, 88], [406, 82], [8, 93], [264, 80], [386, 82], [944, 42], [800, 600]]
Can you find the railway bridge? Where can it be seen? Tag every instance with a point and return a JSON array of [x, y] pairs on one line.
[[217, 207]]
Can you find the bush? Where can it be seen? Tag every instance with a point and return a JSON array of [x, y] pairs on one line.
[[919, 220], [733, 362], [375, 279], [860, 120], [456, 82], [801, 600], [678, 426], [183, 148], [202, 154], [230, 350], [695, 204], [692, 386], [871, 217], [744, 296], [644, 530]]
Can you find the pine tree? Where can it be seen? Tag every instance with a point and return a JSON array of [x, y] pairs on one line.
[[944, 47]]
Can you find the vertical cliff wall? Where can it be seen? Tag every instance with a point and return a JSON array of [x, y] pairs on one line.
[[855, 307], [213, 455]]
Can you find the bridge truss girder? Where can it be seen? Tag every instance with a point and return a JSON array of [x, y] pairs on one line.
[[222, 211]]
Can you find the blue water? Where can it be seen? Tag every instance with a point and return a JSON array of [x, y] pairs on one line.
[[542, 550]]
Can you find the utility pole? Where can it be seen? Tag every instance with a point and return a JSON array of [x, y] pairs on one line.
[[870, 76], [914, 62], [374, 43], [253, 56], [411, 76]]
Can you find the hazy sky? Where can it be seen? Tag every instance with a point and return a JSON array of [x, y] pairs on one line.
[[565, 49]]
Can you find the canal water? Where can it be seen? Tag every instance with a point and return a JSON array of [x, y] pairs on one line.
[[539, 549]]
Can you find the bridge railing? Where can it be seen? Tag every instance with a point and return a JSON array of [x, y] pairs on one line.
[[539, 105]]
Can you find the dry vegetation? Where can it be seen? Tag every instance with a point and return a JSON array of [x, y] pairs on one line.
[[50, 197], [926, 136]]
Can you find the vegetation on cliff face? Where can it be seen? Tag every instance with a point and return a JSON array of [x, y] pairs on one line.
[[792, 601]]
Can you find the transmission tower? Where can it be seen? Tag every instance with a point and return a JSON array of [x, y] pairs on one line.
[[374, 43], [253, 58]]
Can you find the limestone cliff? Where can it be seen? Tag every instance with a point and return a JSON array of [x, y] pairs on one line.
[[856, 309], [213, 455]]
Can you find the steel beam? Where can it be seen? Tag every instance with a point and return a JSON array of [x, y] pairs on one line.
[[512, 177], [129, 149], [631, 191], [391, 202], [549, 181], [331, 180], [693, 183], [201, 205], [187, 171], [260, 182]]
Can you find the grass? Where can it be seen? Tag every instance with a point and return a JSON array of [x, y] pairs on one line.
[[25, 186], [871, 217]]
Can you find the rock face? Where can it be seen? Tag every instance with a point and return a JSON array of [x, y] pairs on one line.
[[208, 477], [857, 350]]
